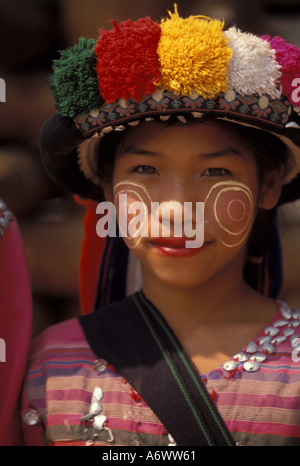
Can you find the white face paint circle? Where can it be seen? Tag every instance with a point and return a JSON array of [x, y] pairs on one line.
[[231, 210], [230, 207], [132, 200]]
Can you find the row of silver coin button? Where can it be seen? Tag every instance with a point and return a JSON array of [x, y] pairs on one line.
[[257, 352]]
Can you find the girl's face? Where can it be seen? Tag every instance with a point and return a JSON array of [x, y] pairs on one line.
[[184, 165]]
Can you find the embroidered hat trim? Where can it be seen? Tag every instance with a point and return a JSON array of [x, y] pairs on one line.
[[262, 111]]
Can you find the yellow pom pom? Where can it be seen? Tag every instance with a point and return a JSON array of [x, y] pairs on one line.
[[193, 55]]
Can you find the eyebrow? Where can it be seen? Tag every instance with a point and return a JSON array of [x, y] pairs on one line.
[[221, 153], [136, 151]]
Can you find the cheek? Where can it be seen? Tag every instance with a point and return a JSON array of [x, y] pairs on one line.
[[132, 203], [229, 212]]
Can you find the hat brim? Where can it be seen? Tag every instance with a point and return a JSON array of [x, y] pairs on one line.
[[69, 147]]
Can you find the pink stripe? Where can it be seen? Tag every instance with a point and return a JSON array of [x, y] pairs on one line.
[[109, 396], [264, 428], [271, 368], [257, 400], [55, 336], [72, 395], [38, 403]]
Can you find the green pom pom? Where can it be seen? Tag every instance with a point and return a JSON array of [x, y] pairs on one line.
[[74, 82]]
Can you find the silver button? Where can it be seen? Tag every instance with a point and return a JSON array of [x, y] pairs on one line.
[[230, 365], [2, 205], [251, 366], [296, 315], [286, 313], [280, 323], [278, 340], [258, 357], [4, 223], [99, 421], [287, 332], [7, 214], [100, 365], [95, 407], [268, 348], [271, 331], [31, 417], [293, 324], [241, 357], [252, 347], [265, 339]]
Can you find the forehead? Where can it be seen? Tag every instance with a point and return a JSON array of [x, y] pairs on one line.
[[156, 136]]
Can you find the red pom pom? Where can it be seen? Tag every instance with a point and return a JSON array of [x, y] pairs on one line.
[[127, 62]]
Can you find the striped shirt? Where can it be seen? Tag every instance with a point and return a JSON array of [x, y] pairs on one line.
[[259, 407]]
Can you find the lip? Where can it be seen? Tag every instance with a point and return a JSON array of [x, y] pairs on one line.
[[175, 247]]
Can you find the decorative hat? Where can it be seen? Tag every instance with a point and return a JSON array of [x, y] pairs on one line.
[[140, 70]]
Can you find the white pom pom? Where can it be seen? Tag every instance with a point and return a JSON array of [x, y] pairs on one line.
[[253, 67]]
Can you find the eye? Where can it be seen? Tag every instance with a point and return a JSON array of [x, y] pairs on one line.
[[216, 172], [144, 170]]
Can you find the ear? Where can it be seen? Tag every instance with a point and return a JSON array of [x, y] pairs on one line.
[[271, 191], [108, 192]]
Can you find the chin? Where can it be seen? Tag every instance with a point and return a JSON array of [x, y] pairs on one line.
[[176, 279]]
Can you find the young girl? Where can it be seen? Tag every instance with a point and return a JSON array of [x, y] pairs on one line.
[[178, 114]]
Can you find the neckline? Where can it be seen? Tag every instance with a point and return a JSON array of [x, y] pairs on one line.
[[258, 350], [280, 329]]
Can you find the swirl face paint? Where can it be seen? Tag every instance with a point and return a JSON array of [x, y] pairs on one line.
[[229, 211], [129, 198], [139, 217]]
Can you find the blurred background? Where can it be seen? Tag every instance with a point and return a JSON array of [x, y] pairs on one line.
[[31, 32]]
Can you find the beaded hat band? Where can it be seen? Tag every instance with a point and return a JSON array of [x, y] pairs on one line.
[[143, 70]]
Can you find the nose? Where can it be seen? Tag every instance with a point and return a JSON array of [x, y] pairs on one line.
[[180, 188], [171, 211], [179, 209], [179, 191]]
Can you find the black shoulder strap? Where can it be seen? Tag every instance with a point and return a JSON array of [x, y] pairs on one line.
[[136, 340]]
